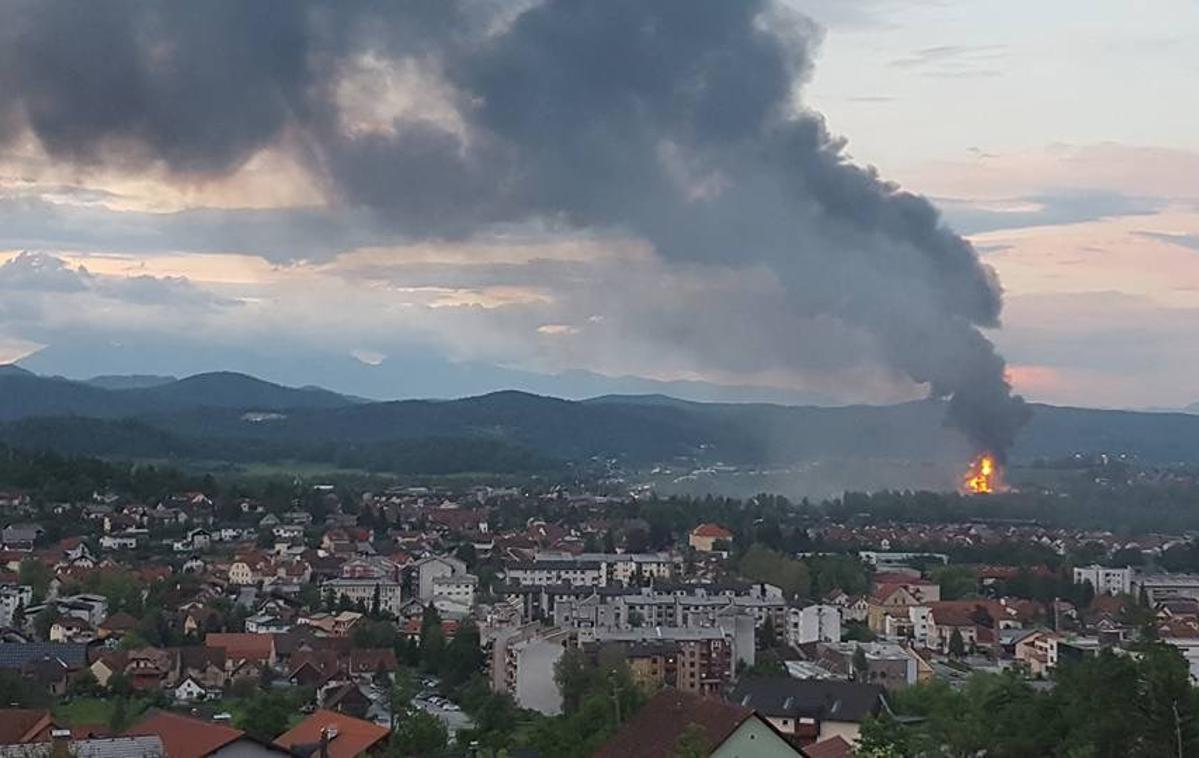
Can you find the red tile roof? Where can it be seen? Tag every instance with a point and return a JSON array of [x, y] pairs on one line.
[[20, 725], [656, 728], [833, 747], [354, 736], [242, 646], [184, 737], [715, 531]]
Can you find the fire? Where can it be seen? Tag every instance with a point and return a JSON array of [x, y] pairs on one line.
[[983, 477]]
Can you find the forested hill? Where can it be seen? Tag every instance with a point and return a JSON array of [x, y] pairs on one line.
[[237, 417]]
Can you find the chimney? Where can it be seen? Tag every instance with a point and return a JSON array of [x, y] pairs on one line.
[[60, 743]]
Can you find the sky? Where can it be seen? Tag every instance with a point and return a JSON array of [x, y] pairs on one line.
[[1061, 139]]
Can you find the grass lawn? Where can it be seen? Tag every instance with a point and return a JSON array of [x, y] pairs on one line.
[[94, 710]]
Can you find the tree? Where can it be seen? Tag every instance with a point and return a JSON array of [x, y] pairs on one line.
[[956, 582], [432, 639], [266, 716], [861, 666], [419, 734], [403, 690], [692, 742], [463, 655], [37, 575], [120, 685], [768, 638], [376, 601], [761, 564], [18, 615], [957, 645], [574, 675], [43, 621]]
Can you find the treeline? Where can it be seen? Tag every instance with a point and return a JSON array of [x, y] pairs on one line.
[[1138, 507], [128, 438], [51, 476], [1137, 704]]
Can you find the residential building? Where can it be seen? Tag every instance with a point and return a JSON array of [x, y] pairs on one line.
[[1038, 651], [1108, 581], [705, 537], [12, 597], [435, 567], [333, 735], [522, 666], [813, 623], [811, 710], [185, 737], [889, 665], [728, 730], [362, 592]]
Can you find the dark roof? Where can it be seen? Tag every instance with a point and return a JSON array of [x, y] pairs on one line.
[[656, 728], [833, 747], [17, 655], [17, 723], [826, 700]]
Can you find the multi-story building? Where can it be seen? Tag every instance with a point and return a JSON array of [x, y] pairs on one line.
[[522, 666], [706, 656], [13, 596], [364, 590], [435, 567], [590, 569], [668, 605], [1110, 581], [813, 623]]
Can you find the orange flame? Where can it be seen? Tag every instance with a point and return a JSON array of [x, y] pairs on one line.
[[983, 477]]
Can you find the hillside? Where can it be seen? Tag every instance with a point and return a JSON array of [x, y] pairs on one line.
[[235, 417]]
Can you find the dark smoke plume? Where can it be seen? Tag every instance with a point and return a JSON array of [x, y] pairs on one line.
[[673, 120]]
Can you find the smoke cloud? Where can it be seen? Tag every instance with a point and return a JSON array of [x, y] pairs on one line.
[[676, 121]]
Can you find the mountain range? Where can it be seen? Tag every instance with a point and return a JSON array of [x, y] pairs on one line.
[[238, 418]]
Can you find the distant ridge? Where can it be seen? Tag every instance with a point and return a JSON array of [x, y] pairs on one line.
[[129, 382], [232, 416]]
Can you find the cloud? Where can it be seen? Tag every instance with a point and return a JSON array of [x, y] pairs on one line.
[[446, 121], [955, 61], [1052, 208], [1189, 241]]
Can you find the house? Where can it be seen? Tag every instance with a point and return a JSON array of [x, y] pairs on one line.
[[71, 629], [668, 718], [704, 538], [89, 747], [266, 623], [333, 735], [1038, 651], [435, 567], [17, 657], [207, 665], [20, 726], [242, 647], [184, 737], [116, 626], [333, 625], [811, 710], [190, 691], [347, 698]]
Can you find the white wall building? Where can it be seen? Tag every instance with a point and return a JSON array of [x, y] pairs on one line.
[[1110, 581], [390, 596], [815, 623]]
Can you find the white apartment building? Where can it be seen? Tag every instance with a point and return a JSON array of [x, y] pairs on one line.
[[1110, 581], [12, 596], [815, 623], [390, 597]]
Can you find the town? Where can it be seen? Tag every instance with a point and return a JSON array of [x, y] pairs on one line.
[[416, 620]]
